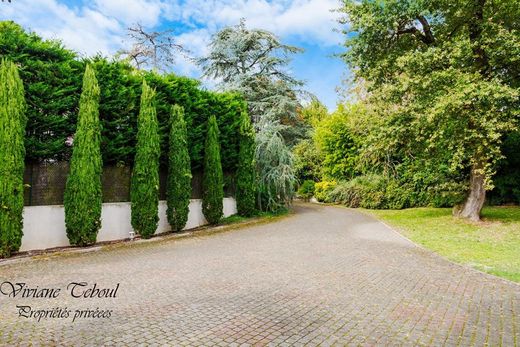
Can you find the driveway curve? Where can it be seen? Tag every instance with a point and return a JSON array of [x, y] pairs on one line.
[[323, 276]]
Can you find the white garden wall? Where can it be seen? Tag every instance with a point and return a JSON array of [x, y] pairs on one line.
[[44, 226]]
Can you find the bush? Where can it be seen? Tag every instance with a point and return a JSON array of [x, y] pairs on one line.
[[12, 153], [363, 191], [178, 190], [83, 195], [245, 177], [308, 161], [306, 190], [323, 189], [144, 190], [212, 181]]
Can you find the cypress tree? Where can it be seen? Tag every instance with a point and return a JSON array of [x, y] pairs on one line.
[[83, 197], [178, 191], [12, 157], [212, 181], [144, 191], [245, 178]]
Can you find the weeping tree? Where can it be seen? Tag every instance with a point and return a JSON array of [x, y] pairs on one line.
[[275, 166], [83, 194], [144, 192], [178, 191], [254, 63], [12, 154], [213, 177], [245, 177]]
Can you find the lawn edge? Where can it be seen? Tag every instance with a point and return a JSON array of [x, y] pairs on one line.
[[396, 230], [366, 212]]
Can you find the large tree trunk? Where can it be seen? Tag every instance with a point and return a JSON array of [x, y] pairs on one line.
[[477, 195]]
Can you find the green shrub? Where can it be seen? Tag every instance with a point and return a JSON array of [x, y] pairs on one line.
[[245, 177], [363, 191], [306, 190], [178, 190], [83, 195], [323, 189], [12, 154], [144, 190], [212, 181]]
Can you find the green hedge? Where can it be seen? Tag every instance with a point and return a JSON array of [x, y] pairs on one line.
[[52, 80]]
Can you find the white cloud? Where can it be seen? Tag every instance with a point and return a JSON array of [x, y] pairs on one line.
[[129, 12], [309, 20], [82, 29]]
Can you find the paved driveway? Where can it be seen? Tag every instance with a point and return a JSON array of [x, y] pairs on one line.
[[323, 276]]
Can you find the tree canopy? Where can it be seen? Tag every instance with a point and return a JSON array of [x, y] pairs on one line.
[[443, 77]]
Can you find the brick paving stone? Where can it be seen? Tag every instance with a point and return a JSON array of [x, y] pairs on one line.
[[325, 276]]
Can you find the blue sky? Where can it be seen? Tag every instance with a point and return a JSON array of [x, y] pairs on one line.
[[93, 26]]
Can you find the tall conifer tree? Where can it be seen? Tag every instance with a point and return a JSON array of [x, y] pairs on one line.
[[213, 181], [83, 196], [144, 192], [12, 156], [179, 172]]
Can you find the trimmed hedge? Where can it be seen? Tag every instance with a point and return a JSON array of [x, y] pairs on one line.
[[83, 196], [52, 80], [12, 153]]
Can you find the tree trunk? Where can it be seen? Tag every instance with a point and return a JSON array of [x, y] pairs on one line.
[[477, 195]]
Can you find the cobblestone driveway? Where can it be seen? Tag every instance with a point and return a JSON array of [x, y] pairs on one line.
[[324, 276]]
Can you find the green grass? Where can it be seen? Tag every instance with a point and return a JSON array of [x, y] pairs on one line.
[[492, 246], [260, 215]]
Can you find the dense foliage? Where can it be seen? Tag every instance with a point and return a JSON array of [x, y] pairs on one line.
[[275, 167], [83, 196], [12, 152], [178, 191], [442, 88], [52, 82], [306, 190], [52, 79], [213, 180], [245, 177], [144, 192]]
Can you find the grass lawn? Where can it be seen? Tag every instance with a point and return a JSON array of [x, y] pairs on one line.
[[492, 246], [259, 215]]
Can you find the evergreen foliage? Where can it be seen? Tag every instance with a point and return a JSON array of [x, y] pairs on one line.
[[52, 80], [52, 77], [12, 152], [178, 191], [213, 181], [83, 195], [254, 63], [275, 166], [245, 177], [144, 190]]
